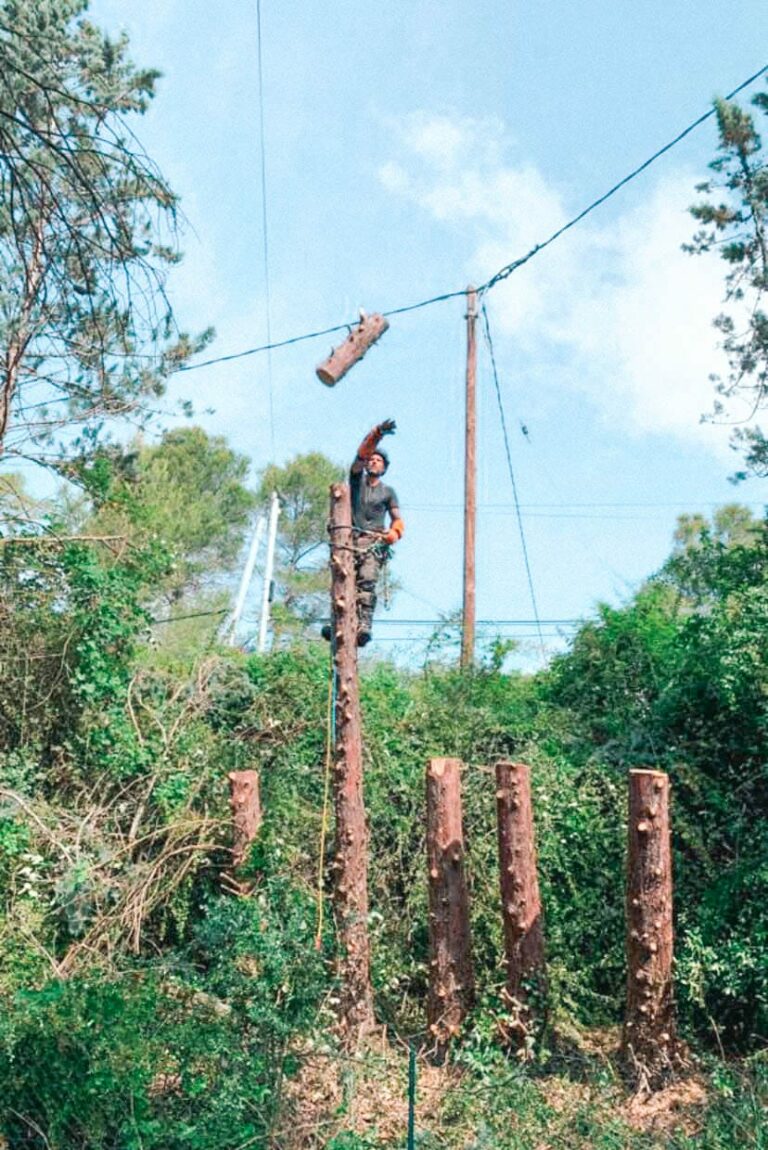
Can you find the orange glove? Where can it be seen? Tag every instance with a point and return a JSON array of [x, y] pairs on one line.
[[369, 444], [395, 532]]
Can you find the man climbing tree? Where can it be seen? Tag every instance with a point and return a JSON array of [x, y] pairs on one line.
[[372, 500]]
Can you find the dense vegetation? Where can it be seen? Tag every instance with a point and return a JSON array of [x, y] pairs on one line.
[[146, 1001], [146, 1005]]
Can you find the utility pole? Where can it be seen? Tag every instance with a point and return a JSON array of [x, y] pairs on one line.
[[470, 487], [230, 625], [269, 566]]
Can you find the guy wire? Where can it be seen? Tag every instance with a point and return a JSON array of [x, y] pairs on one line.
[[518, 513]]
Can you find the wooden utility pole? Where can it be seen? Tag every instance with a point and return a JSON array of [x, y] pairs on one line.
[[470, 486], [649, 1044], [520, 900], [451, 981], [351, 859]]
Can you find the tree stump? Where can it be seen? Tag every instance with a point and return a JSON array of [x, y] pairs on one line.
[[351, 858], [451, 979], [520, 901], [649, 1046], [245, 802]]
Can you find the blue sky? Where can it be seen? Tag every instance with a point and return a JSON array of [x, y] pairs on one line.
[[417, 146]]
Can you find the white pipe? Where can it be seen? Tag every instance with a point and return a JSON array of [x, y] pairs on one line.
[[230, 627], [269, 567]]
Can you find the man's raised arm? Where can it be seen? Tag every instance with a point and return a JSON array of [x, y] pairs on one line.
[[371, 442]]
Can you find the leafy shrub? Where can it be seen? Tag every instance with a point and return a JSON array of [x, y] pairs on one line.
[[183, 1058]]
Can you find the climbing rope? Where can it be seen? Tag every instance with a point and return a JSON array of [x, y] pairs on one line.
[[386, 585], [330, 740]]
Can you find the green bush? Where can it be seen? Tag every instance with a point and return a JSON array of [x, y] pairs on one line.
[[189, 1057]]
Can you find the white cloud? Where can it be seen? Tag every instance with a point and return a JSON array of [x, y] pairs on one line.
[[621, 305]]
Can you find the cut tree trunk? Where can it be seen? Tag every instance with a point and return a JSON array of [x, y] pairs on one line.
[[520, 902], [245, 802], [650, 1048], [351, 858], [451, 980], [360, 338]]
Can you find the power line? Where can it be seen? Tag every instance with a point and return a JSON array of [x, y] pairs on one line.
[[712, 505], [192, 615], [512, 267], [446, 624], [451, 624], [518, 512], [424, 640], [317, 334], [509, 268]]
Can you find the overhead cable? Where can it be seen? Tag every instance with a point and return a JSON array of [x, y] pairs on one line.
[[515, 264], [503, 272], [518, 512]]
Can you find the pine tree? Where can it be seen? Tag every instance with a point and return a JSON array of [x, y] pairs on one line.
[[734, 219], [88, 232]]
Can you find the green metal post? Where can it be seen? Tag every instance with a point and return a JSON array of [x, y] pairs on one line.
[[412, 1097]]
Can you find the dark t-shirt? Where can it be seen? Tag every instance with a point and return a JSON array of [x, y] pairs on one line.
[[370, 503]]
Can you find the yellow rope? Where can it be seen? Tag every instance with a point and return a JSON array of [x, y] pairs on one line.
[[329, 738]]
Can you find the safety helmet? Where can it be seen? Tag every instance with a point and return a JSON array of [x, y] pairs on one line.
[[384, 456]]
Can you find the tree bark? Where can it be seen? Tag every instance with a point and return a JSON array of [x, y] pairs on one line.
[[649, 1045], [351, 859], [451, 979], [245, 800], [342, 358], [19, 341], [520, 900]]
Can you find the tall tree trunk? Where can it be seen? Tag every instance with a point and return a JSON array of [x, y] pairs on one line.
[[451, 979], [649, 1046], [520, 900], [351, 860]]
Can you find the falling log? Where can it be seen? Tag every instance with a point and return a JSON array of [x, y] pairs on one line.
[[451, 980], [360, 338], [520, 901], [649, 1047], [245, 802], [351, 857]]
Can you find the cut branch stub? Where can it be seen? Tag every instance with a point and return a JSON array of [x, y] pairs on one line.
[[245, 802], [342, 358], [520, 901], [451, 979], [351, 860], [649, 1046]]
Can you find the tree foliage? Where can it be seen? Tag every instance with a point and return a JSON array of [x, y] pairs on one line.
[[142, 1005], [87, 232], [187, 492], [734, 221], [302, 559]]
